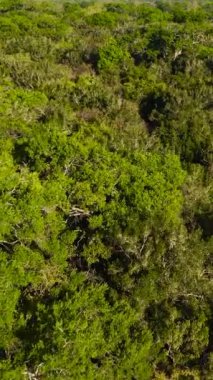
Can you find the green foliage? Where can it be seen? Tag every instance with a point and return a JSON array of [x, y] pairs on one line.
[[103, 19], [105, 190], [112, 56], [82, 324], [8, 27]]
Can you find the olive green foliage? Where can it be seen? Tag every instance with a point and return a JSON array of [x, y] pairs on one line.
[[105, 190]]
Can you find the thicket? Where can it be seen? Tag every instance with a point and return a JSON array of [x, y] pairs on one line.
[[106, 190]]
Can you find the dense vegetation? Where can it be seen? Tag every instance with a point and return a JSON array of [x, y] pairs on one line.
[[106, 190]]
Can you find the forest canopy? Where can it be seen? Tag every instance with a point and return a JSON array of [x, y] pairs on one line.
[[106, 190]]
